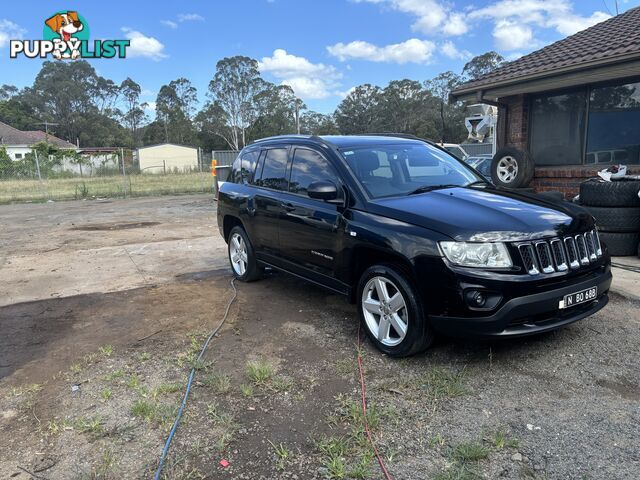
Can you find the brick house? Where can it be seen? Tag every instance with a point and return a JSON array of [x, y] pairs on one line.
[[572, 106]]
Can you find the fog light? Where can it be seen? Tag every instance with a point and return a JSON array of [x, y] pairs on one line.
[[479, 299]]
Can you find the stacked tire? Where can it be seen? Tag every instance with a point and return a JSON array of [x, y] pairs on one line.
[[616, 208]]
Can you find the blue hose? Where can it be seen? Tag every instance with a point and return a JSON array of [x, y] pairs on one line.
[[167, 444]]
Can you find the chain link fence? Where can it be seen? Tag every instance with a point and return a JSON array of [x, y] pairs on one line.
[[95, 173]]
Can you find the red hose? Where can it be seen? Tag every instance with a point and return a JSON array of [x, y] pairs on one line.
[[387, 476]]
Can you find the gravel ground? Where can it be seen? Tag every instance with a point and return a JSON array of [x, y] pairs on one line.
[[277, 395]]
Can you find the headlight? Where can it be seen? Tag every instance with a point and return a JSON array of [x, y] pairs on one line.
[[489, 255]]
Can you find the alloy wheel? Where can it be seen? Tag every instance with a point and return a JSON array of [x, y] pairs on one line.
[[238, 254], [385, 311], [507, 169]]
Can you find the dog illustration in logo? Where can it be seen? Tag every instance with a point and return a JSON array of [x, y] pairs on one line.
[[66, 25]]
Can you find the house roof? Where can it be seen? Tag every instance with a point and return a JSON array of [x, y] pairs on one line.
[[613, 41], [167, 144], [13, 136]]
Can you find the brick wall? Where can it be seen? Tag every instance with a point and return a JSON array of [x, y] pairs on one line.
[[567, 179], [517, 128]]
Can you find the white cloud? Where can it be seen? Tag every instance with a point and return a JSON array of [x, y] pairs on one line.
[[308, 80], [10, 31], [190, 17], [151, 106], [451, 51], [169, 23], [413, 51], [143, 46], [570, 24], [509, 35], [432, 16]]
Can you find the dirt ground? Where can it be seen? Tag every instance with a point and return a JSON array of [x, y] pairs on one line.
[[104, 306]]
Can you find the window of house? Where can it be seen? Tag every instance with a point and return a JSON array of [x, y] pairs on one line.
[[557, 128], [613, 134], [308, 167], [18, 156], [274, 169]]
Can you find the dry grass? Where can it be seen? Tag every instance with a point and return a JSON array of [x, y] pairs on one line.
[[74, 188]]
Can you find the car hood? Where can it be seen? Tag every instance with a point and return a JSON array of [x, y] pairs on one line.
[[486, 214]]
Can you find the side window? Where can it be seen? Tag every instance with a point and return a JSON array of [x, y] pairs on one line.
[[308, 167], [244, 167], [274, 170]]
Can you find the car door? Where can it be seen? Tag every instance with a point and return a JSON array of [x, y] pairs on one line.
[[265, 207], [309, 230]]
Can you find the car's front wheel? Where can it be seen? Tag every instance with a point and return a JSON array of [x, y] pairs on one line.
[[391, 313], [241, 256]]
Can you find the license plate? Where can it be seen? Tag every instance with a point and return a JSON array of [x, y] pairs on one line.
[[577, 298]]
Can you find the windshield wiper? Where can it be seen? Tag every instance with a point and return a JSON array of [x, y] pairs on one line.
[[478, 182], [431, 188]]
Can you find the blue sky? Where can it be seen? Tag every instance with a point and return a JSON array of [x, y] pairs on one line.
[[321, 48]]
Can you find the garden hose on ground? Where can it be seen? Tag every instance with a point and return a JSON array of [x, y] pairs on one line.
[[167, 444]]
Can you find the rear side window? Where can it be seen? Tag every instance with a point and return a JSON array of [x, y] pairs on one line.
[[308, 167], [244, 166], [274, 170]]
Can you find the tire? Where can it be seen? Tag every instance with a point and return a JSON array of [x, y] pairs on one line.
[[620, 244], [620, 193], [611, 219], [418, 334], [511, 168], [241, 256]]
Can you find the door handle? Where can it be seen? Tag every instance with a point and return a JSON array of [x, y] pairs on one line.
[[289, 207]]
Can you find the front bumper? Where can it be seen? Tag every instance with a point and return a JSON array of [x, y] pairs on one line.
[[530, 314]]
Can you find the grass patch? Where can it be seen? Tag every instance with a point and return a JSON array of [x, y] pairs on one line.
[[115, 375], [144, 356], [219, 382], [458, 472], [165, 389], [260, 372], [143, 409], [106, 350], [501, 439], [441, 383], [282, 384], [470, 452], [93, 426], [246, 390], [283, 454], [345, 367], [106, 394]]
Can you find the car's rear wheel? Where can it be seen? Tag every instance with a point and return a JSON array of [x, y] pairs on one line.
[[241, 256], [391, 313]]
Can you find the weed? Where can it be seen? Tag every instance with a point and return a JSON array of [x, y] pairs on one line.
[[76, 368], [332, 446], [281, 384], [501, 439], [223, 442], [105, 468], [247, 390], [259, 372], [106, 350], [27, 390], [91, 425], [470, 452], [106, 394], [164, 389], [55, 427], [336, 468], [458, 472], [362, 469], [143, 409], [115, 375], [441, 383], [198, 364], [220, 382], [282, 452], [436, 441], [345, 366], [144, 356]]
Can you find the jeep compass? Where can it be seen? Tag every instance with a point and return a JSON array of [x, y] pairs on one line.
[[420, 241]]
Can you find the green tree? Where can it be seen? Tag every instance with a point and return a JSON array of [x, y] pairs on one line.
[[174, 105], [133, 115], [440, 87], [359, 111], [314, 123], [233, 93], [481, 65], [6, 164]]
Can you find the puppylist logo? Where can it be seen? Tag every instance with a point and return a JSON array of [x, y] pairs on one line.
[[66, 37]]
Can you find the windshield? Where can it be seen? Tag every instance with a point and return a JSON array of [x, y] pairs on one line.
[[389, 170]]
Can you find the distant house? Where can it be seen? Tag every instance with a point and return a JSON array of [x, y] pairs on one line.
[[167, 158], [572, 106], [18, 142]]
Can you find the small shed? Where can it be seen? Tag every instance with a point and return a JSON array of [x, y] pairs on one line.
[[167, 158]]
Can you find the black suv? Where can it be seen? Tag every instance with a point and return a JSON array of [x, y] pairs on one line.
[[421, 241]]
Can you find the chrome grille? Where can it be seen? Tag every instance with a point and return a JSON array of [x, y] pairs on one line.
[[544, 257], [560, 254], [582, 250], [528, 258], [559, 257]]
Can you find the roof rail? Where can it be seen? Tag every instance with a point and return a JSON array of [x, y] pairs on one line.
[[403, 135], [281, 137]]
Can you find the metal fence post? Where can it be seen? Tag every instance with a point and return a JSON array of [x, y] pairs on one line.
[[124, 174]]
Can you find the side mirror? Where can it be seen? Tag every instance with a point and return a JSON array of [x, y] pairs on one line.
[[326, 191]]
